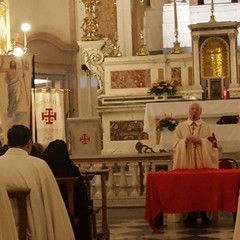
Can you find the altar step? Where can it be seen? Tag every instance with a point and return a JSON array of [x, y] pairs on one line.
[[123, 213]]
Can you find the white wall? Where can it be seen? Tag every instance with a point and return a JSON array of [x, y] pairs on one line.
[[44, 16]]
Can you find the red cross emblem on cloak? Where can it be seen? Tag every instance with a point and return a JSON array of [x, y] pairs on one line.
[[85, 139], [49, 116]]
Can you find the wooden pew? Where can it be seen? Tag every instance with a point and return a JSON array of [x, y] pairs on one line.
[[103, 233], [69, 182], [88, 175], [21, 197]]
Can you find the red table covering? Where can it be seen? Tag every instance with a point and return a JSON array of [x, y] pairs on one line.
[[189, 190]]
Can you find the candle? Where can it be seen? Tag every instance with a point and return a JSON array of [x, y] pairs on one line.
[[225, 93]]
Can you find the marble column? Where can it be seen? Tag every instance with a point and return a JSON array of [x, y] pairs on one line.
[[196, 64], [233, 57]]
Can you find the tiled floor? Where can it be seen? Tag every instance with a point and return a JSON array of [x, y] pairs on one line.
[[140, 230]]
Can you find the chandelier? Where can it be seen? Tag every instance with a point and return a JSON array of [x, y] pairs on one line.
[[18, 48]]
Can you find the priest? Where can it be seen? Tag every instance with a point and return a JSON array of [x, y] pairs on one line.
[[195, 147]]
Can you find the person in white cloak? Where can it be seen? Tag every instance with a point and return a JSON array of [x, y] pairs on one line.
[[8, 230], [47, 215], [195, 147]]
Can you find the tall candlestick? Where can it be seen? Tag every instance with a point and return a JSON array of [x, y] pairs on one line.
[[115, 11], [142, 14], [175, 16], [176, 46], [212, 17], [142, 51], [116, 48]]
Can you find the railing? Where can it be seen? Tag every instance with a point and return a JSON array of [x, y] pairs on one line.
[[127, 173]]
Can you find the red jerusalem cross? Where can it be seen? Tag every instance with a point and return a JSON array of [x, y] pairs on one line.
[[49, 116], [85, 139]]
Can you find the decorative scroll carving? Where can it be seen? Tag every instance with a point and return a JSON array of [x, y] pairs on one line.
[[142, 148], [94, 59]]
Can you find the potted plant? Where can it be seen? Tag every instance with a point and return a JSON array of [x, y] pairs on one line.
[[166, 122], [163, 88]]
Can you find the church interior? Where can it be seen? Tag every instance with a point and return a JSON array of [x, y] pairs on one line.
[[104, 56]]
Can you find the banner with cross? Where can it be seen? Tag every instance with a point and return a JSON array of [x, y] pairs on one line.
[[84, 136], [48, 115]]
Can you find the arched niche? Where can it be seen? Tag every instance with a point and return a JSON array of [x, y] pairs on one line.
[[52, 56], [214, 57], [214, 63]]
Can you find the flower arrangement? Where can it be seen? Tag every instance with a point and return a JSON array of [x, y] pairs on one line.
[[163, 87], [167, 122]]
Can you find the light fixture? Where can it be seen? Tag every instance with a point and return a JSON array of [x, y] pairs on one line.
[[41, 81], [19, 49], [25, 28]]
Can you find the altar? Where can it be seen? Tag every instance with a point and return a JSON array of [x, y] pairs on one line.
[[228, 135], [185, 190]]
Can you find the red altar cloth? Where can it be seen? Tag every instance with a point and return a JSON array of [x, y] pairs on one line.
[[189, 190]]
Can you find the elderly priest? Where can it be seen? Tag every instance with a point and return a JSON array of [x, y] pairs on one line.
[[196, 147]]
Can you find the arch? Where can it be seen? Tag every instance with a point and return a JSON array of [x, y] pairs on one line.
[[52, 51], [54, 40], [54, 57]]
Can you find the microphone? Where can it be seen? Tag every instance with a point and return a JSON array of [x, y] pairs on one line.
[[193, 124]]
